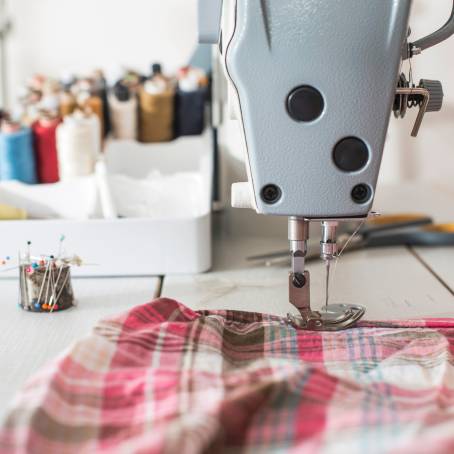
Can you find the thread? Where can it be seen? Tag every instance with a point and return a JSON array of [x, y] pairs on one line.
[[190, 112], [17, 160], [190, 101], [45, 140], [123, 109], [92, 104], [68, 104], [191, 79], [101, 90], [9, 213], [109, 210], [78, 145], [156, 116]]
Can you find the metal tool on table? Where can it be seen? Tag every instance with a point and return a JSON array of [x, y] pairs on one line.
[[383, 231], [314, 83]]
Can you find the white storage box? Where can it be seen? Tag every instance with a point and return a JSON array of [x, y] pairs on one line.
[[159, 245]]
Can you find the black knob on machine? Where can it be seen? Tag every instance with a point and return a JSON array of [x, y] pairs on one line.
[[436, 94]]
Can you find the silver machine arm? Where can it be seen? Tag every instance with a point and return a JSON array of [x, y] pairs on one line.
[[313, 83]]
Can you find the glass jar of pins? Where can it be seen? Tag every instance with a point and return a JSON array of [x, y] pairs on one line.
[[45, 284]]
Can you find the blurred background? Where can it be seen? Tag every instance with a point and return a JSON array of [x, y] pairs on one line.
[[63, 36]]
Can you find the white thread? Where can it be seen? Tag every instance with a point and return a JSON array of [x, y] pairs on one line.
[[78, 145], [109, 210], [341, 253], [124, 118]]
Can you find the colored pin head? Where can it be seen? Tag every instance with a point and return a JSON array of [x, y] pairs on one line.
[[62, 238]]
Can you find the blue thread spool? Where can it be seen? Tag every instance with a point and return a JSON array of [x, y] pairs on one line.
[[17, 158]]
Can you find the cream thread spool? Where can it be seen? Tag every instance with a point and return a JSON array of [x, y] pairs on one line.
[[68, 103], [78, 145], [124, 113], [89, 102]]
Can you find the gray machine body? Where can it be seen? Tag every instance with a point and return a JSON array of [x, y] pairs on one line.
[[350, 51], [209, 18]]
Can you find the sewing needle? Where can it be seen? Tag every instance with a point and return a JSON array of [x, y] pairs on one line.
[[328, 268]]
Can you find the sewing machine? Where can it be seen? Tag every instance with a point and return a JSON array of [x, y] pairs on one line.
[[313, 83]]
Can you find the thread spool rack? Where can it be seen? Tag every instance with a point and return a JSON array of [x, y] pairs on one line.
[[134, 246]]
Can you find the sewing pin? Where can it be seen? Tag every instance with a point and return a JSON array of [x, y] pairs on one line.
[[46, 299], [55, 300], [21, 283], [60, 245], [42, 285], [63, 285], [51, 284]]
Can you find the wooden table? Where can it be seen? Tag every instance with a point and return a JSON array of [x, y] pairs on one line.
[[393, 283]]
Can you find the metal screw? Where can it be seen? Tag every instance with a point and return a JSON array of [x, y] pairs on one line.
[[299, 281], [271, 194], [361, 193]]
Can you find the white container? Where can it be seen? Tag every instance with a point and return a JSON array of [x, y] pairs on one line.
[[131, 247]]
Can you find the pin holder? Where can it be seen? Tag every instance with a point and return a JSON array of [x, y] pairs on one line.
[[45, 286]]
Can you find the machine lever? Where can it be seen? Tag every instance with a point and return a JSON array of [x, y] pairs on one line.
[[425, 94]]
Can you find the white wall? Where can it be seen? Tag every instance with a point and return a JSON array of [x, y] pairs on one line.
[[430, 157], [53, 36]]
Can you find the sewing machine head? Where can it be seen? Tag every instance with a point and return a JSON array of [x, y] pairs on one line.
[[314, 83]]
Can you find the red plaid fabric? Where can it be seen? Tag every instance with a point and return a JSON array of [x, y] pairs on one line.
[[165, 379]]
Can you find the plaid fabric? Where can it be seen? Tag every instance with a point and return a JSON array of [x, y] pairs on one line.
[[165, 379]]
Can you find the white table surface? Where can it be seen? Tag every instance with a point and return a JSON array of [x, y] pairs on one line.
[[392, 283]]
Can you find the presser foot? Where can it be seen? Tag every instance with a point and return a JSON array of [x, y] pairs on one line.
[[334, 317]]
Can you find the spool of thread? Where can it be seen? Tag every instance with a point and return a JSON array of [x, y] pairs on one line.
[[50, 103], [92, 103], [123, 109], [45, 139], [190, 101], [68, 104], [17, 158], [9, 213], [156, 115], [190, 112], [109, 210], [67, 80], [101, 90], [78, 145]]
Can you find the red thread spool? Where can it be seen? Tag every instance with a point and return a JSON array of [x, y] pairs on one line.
[[44, 132]]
